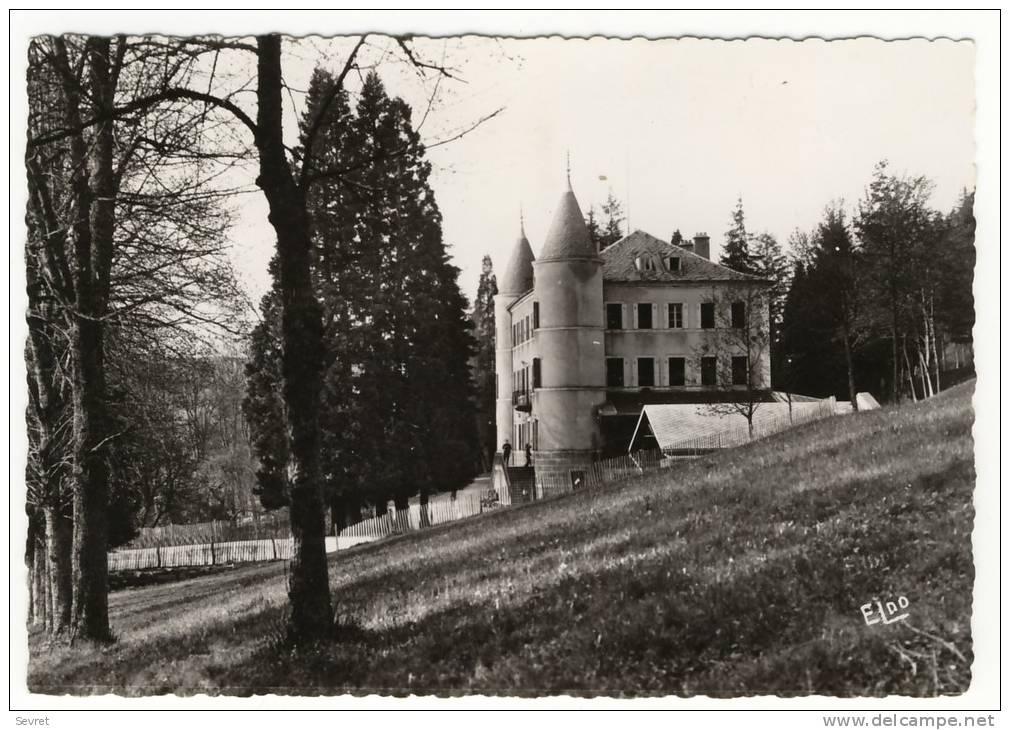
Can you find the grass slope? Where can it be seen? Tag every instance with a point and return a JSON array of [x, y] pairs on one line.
[[741, 573]]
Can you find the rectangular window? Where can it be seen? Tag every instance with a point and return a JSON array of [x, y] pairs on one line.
[[738, 314], [646, 372], [644, 316], [615, 316], [739, 371], [515, 335], [615, 372], [536, 315], [527, 325], [673, 263], [536, 372], [677, 371], [675, 315], [707, 315], [708, 371]]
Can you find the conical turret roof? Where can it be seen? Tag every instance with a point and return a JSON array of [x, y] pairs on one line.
[[568, 236], [518, 277]]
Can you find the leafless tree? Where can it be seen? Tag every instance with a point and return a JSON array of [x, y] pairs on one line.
[[740, 343], [112, 247], [284, 180]]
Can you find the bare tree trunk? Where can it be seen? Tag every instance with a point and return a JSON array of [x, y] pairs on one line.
[[402, 505], [425, 514], [895, 368], [932, 339], [59, 535], [927, 383], [40, 581], [908, 372], [94, 196], [848, 365], [302, 353]]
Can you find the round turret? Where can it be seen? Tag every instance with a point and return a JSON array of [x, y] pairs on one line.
[[568, 290], [517, 281]]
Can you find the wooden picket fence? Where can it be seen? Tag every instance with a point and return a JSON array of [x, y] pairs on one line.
[[211, 553], [439, 511], [261, 527]]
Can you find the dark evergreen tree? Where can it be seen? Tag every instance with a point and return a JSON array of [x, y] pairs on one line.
[[834, 279], [770, 263], [397, 409], [736, 253], [894, 225], [610, 231], [263, 407], [615, 217], [955, 306], [484, 360], [677, 239], [593, 226]]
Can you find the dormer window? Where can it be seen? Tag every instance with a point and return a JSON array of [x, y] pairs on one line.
[[644, 262], [673, 264]]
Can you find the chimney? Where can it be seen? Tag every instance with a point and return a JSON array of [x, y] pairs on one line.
[[701, 242], [687, 245]]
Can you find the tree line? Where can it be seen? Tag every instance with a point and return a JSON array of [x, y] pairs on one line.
[[872, 299]]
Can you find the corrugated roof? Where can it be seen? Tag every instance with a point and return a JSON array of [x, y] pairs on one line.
[[568, 236], [518, 277], [619, 262]]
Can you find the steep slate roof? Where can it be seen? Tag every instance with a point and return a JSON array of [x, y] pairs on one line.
[[619, 262], [518, 277], [568, 236]]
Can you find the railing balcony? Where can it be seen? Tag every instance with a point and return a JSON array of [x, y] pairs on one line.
[[522, 400]]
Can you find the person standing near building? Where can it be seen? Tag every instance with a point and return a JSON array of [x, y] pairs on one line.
[[506, 452], [529, 455]]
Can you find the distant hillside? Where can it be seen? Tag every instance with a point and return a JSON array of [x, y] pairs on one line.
[[742, 573]]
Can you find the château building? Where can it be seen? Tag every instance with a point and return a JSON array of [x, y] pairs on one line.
[[586, 338]]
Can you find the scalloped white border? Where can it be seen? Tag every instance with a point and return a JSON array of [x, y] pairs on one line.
[[981, 26]]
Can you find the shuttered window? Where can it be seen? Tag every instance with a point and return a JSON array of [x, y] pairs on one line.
[[708, 376], [646, 372], [615, 316], [615, 372], [677, 371], [644, 316], [707, 315], [738, 314], [675, 315]]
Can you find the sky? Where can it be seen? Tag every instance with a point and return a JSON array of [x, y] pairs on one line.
[[676, 129]]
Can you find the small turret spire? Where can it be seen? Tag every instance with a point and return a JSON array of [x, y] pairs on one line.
[[568, 168], [522, 224]]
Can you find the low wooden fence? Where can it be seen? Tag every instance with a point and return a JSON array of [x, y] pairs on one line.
[[183, 556], [262, 527], [438, 512]]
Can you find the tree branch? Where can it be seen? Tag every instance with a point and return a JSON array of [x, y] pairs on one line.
[[317, 123], [145, 102]]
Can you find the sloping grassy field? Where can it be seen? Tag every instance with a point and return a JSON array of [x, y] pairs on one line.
[[741, 573]]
